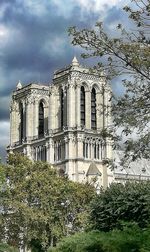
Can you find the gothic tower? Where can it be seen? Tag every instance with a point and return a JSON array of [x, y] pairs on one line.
[[62, 123]]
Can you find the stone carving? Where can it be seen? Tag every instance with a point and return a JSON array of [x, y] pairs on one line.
[[13, 106], [55, 138], [40, 92]]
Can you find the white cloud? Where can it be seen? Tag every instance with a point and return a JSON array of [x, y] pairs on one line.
[[35, 7], [99, 5], [65, 8]]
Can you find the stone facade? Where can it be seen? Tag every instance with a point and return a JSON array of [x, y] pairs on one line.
[[62, 123]]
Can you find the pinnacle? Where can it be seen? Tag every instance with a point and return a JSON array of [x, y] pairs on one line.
[[75, 61], [19, 85]]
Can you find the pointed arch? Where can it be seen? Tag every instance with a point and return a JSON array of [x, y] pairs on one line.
[[21, 113], [61, 108], [96, 87], [93, 108], [82, 106], [41, 119], [86, 86]]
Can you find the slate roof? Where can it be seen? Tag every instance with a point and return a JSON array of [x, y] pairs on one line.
[[93, 170], [137, 169]]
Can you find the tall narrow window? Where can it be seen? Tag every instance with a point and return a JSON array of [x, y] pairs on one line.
[[62, 109], [95, 156], [21, 121], [82, 106], [41, 119], [93, 109]]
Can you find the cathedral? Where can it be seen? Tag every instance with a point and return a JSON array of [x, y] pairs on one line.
[[62, 123]]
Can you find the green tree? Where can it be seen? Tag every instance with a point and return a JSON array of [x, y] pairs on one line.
[[130, 238], [6, 248], [128, 202], [127, 55], [40, 206]]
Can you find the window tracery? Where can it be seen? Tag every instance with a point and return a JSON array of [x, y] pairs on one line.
[[93, 109], [41, 119], [82, 106]]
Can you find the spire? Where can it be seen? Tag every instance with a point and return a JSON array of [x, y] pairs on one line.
[[75, 61], [19, 85]]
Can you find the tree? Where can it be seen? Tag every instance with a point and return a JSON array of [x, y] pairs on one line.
[[128, 202], [6, 248], [126, 55], [39, 205], [130, 238]]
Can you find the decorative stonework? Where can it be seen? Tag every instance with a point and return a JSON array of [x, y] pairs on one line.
[[70, 145], [41, 92], [13, 106]]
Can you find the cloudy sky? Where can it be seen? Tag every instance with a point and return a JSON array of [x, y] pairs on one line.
[[34, 41]]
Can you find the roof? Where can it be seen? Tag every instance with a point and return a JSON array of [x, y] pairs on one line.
[[93, 170], [140, 167]]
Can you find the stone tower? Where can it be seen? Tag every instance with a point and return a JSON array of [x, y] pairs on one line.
[[62, 123]]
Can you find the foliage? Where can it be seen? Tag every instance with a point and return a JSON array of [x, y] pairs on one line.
[[130, 239], [127, 55], [128, 202], [6, 248], [2, 176], [39, 205]]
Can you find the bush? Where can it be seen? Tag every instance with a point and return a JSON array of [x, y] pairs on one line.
[[6, 248], [128, 202], [130, 239]]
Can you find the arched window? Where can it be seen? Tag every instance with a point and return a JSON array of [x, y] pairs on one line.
[[21, 122], [41, 119], [62, 108], [82, 106], [93, 109]]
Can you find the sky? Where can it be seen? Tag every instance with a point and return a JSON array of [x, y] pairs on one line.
[[34, 42]]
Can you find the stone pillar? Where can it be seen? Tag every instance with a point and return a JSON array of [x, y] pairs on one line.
[[51, 111], [66, 147], [71, 106], [13, 123], [56, 105], [107, 104], [99, 112], [36, 116], [77, 107], [79, 147], [29, 118], [51, 151], [92, 150], [104, 176]]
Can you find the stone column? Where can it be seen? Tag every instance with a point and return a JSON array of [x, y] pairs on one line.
[[51, 111], [14, 136], [99, 112], [92, 150], [36, 116], [107, 106], [104, 177], [29, 117], [71, 103], [79, 147]]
